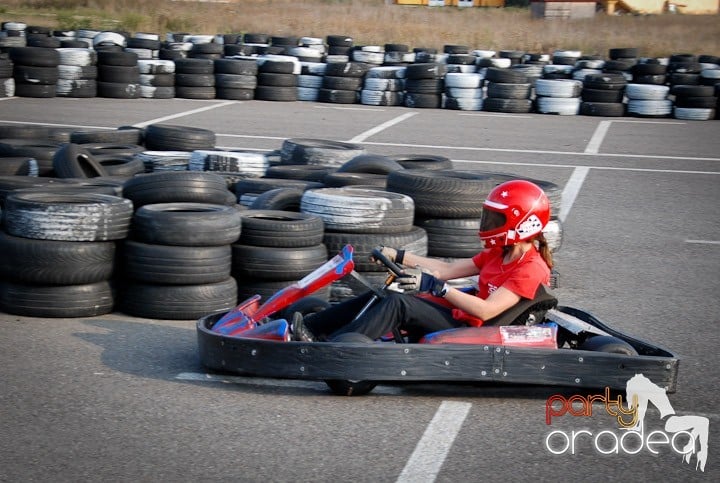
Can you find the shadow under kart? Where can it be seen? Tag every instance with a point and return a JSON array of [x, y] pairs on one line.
[[535, 342]]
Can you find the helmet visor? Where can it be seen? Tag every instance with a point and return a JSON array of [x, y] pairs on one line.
[[491, 220]]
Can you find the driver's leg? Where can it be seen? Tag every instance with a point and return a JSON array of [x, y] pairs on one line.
[[401, 311]]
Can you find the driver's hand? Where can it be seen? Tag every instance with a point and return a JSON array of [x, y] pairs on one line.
[[417, 279], [389, 252]]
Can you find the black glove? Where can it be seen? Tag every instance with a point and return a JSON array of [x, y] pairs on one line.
[[417, 280]]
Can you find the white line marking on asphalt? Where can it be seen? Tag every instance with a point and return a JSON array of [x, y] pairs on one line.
[[184, 113], [338, 108], [84, 126], [249, 136], [670, 123], [571, 190], [703, 242], [607, 168], [511, 116], [7, 98], [381, 127], [432, 449], [598, 136], [538, 151], [264, 381]]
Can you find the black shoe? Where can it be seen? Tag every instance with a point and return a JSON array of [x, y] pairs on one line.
[[300, 332]]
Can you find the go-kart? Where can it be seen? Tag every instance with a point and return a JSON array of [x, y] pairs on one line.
[[534, 342]]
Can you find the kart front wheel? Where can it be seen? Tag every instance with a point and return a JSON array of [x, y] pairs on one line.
[[350, 387], [607, 343]]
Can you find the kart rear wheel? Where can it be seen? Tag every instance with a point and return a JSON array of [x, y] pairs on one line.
[[606, 343], [351, 388]]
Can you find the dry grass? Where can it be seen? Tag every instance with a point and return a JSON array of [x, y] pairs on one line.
[[374, 22]]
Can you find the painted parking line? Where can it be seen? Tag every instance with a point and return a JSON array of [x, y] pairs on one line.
[[541, 151], [603, 127], [608, 168], [339, 108], [432, 449], [511, 116], [571, 190], [381, 127], [185, 113], [597, 138], [703, 242]]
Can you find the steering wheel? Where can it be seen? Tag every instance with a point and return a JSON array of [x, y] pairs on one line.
[[392, 266]]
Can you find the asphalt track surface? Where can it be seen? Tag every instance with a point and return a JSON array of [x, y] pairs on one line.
[[118, 398]]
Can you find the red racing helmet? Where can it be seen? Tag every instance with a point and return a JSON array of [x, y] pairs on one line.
[[514, 211]]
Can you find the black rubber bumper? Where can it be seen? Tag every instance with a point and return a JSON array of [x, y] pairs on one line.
[[428, 362]]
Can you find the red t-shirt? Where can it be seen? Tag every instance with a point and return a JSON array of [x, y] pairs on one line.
[[522, 277]]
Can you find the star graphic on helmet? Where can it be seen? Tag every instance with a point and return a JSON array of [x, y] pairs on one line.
[[492, 242], [504, 194]]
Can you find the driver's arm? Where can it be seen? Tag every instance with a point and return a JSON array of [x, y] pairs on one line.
[[498, 302], [463, 267]]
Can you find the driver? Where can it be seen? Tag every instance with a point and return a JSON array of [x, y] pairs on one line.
[[516, 260]]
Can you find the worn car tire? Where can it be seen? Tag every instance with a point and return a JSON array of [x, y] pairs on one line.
[[360, 210], [186, 224], [75, 161], [175, 265], [55, 262], [275, 228], [177, 302], [61, 301], [176, 187], [276, 263], [62, 216]]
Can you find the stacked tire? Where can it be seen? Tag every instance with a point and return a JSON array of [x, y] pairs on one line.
[[508, 91], [318, 152], [277, 78], [248, 190], [157, 78], [364, 218], [35, 71], [118, 74], [177, 261], [558, 96], [383, 86], [343, 82], [310, 80], [276, 249], [684, 69], [195, 78], [650, 71], [464, 91], [694, 102], [448, 204], [235, 79], [145, 45], [338, 47], [7, 82], [648, 100], [59, 253], [603, 95], [424, 85], [459, 59], [77, 73], [14, 34]]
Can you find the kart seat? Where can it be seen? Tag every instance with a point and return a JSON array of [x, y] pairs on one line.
[[527, 311]]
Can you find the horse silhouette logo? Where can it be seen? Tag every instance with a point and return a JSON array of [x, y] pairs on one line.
[[639, 391]]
